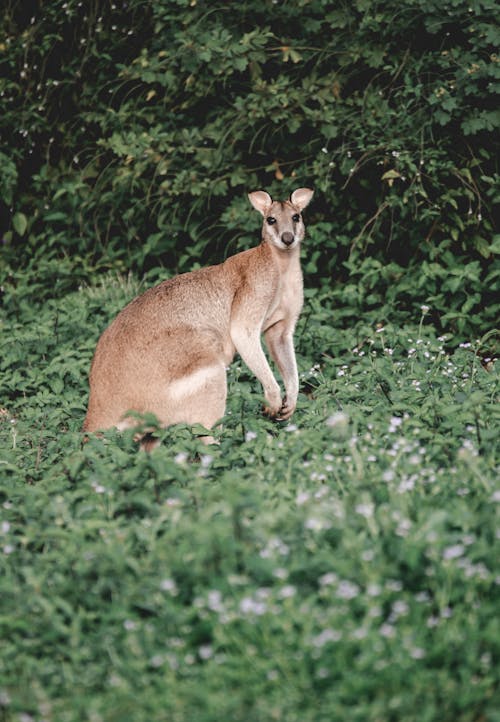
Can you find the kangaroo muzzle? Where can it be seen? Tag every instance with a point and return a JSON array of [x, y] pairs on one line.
[[287, 238]]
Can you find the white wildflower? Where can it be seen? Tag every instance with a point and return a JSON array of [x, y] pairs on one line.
[[454, 551], [347, 590], [387, 630], [365, 510], [326, 636], [328, 579], [205, 651], [338, 419], [169, 585], [287, 591], [302, 497]]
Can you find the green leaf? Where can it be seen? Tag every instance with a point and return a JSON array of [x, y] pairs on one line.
[[20, 223], [483, 247], [495, 246], [391, 174]]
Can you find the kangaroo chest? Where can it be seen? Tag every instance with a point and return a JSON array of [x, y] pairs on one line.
[[288, 299]]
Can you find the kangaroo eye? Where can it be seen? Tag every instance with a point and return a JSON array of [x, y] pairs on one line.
[[296, 218], [271, 220]]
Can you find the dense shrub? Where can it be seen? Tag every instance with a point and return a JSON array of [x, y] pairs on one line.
[[133, 130]]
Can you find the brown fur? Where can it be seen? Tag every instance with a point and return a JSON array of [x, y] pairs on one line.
[[167, 351]]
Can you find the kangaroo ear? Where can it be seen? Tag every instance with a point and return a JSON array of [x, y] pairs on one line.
[[260, 201], [301, 198]]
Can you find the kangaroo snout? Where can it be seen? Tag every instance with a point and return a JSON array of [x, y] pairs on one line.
[[287, 238]]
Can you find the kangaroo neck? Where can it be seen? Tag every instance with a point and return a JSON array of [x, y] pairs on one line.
[[284, 259]]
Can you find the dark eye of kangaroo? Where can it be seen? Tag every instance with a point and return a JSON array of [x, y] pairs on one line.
[[271, 220], [296, 218]]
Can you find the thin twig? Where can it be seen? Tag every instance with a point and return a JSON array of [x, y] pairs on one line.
[[380, 210]]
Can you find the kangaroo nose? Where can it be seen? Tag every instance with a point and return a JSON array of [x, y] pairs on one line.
[[287, 238]]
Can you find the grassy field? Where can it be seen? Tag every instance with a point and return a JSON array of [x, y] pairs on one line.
[[343, 566]]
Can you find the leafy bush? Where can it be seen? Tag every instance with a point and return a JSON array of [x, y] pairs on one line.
[[134, 131]]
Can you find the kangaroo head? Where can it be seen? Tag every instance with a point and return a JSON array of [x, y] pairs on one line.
[[283, 226]]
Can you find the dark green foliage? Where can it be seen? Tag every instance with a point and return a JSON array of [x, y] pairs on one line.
[[133, 131]]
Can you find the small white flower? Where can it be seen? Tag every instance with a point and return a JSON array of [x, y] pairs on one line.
[[347, 590], [387, 630], [253, 606], [287, 591], [417, 653], [359, 633], [205, 651], [280, 573], [400, 607], [250, 435], [339, 420], [328, 579], [326, 636], [169, 585], [454, 551], [394, 585], [365, 510], [302, 497], [157, 660], [395, 422], [313, 523], [214, 601]]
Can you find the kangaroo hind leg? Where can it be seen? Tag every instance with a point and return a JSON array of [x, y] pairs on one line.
[[199, 397]]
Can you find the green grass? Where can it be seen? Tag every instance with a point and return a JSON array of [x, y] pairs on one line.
[[343, 566]]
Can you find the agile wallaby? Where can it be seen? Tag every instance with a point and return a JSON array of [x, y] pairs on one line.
[[167, 351]]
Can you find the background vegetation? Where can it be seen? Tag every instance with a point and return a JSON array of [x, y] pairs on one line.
[[133, 130], [342, 566]]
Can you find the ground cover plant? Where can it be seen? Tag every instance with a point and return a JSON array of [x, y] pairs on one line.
[[344, 565], [341, 566]]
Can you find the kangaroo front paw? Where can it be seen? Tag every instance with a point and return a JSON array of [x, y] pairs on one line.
[[274, 403], [286, 411], [272, 411]]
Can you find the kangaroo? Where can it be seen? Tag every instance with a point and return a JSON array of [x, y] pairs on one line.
[[167, 351]]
